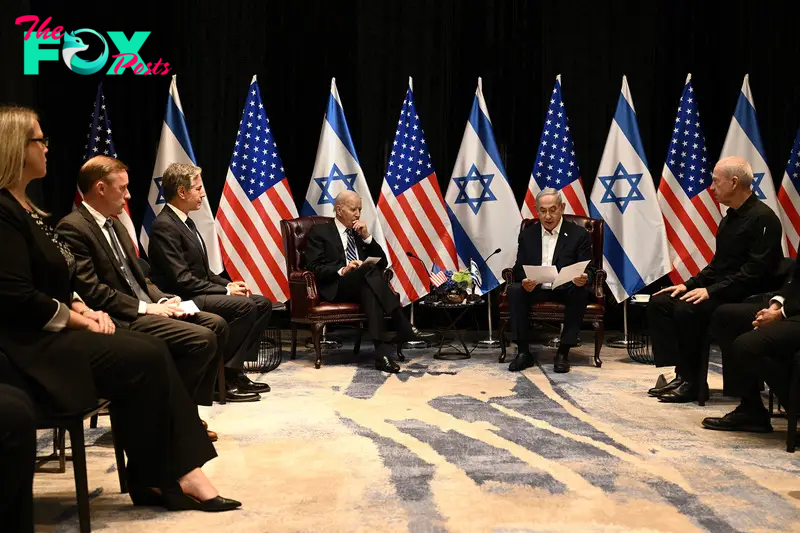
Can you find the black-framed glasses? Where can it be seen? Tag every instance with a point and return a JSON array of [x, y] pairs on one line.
[[44, 140]]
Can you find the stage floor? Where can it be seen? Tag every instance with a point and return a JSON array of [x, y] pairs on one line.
[[462, 446]]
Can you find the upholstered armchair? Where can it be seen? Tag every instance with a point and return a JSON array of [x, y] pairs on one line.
[[553, 311], [305, 304]]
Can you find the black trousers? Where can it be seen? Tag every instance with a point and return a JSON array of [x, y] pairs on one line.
[[247, 318], [17, 459], [679, 331], [156, 419], [376, 298], [752, 356], [196, 343], [574, 299]]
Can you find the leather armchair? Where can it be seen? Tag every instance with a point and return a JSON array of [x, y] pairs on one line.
[[305, 304], [553, 311]]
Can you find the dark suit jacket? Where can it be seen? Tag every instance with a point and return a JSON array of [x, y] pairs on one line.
[[791, 293], [98, 278], [573, 245], [325, 256], [32, 274], [178, 262]]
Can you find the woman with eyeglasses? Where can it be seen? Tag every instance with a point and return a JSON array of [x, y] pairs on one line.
[[72, 355]]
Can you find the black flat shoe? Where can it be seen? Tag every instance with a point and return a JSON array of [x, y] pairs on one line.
[[521, 362], [176, 500], [384, 364], [684, 393], [672, 385]]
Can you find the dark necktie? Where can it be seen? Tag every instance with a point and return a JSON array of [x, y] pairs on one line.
[[193, 228], [122, 263], [351, 254]]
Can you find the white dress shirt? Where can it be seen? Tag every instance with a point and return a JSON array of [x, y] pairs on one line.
[[549, 240], [101, 221], [342, 229]]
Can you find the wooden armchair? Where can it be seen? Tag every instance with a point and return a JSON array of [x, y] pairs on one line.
[[305, 304], [553, 311]]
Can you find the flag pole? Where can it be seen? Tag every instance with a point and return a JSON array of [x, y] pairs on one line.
[[490, 342]]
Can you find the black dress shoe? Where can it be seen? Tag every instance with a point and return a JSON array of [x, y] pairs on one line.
[[672, 385], [684, 393], [741, 419], [235, 395], [561, 364], [175, 500], [383, 363], [244, 384], [521, 362]]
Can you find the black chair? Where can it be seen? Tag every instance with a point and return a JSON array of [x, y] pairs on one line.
[[61, 424]]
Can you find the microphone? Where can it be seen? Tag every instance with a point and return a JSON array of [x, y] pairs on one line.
[[483, 261], [412, 256]]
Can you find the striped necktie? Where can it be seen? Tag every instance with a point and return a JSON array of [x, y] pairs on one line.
[[351, 254]]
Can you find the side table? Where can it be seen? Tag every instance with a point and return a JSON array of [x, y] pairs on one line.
[[452, 313]]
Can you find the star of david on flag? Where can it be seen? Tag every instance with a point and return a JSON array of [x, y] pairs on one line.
[[482, 208], [337, 169], [255, 198], [611, 193], [635, 251], [483, 190]]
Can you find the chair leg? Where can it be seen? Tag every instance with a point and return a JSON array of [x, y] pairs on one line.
[[357, 345], [293, 354], [771, 402], [60, 437], [599, 333], [119, 453], [316, 333], [81, 479], [791, 410], [221, 384], [503, 326], [93, 421]]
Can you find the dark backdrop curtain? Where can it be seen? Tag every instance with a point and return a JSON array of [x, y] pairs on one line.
[[372, 46]]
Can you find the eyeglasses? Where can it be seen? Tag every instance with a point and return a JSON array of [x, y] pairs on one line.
[[44, 140]]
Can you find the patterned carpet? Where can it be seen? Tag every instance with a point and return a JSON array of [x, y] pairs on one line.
[[463, 446]]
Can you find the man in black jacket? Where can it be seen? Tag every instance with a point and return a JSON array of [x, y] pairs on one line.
[[748, 251], [179, 261], [335, 253], [758, 343], [550, 241], [109, 278]]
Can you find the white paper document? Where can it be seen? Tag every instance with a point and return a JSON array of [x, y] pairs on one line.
[[371, 261], [547, 275], [188, 307]]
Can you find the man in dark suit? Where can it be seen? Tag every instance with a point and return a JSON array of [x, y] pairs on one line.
[[109, 278], [180, 265], [758, 342], [335, 253], [748, 252], [550, 241]]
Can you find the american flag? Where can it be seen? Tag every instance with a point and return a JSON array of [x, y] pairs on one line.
[[255, 198], [438, 276], [99, 142], [411, 209], [789, 199], [555, 164], [691, 213]]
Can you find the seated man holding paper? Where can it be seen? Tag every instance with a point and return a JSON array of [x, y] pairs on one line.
[[179, 261], [339, 255], [554, 263], [109, 278]]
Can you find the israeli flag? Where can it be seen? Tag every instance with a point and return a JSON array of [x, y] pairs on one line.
[[337, 169], [744, 140], [635, 250], [175, 147], [481, 205]]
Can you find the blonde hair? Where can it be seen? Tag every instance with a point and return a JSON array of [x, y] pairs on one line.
[[16, 128]]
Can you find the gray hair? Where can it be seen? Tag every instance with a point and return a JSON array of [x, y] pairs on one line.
[[178, 175], [343, 197], [739, 167], [549, 191]]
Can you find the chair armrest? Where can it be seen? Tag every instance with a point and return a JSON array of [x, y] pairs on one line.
[[599, 278], [508, 276], [302, 292]]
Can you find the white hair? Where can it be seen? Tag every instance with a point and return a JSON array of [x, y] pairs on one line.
[[549, 191]]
